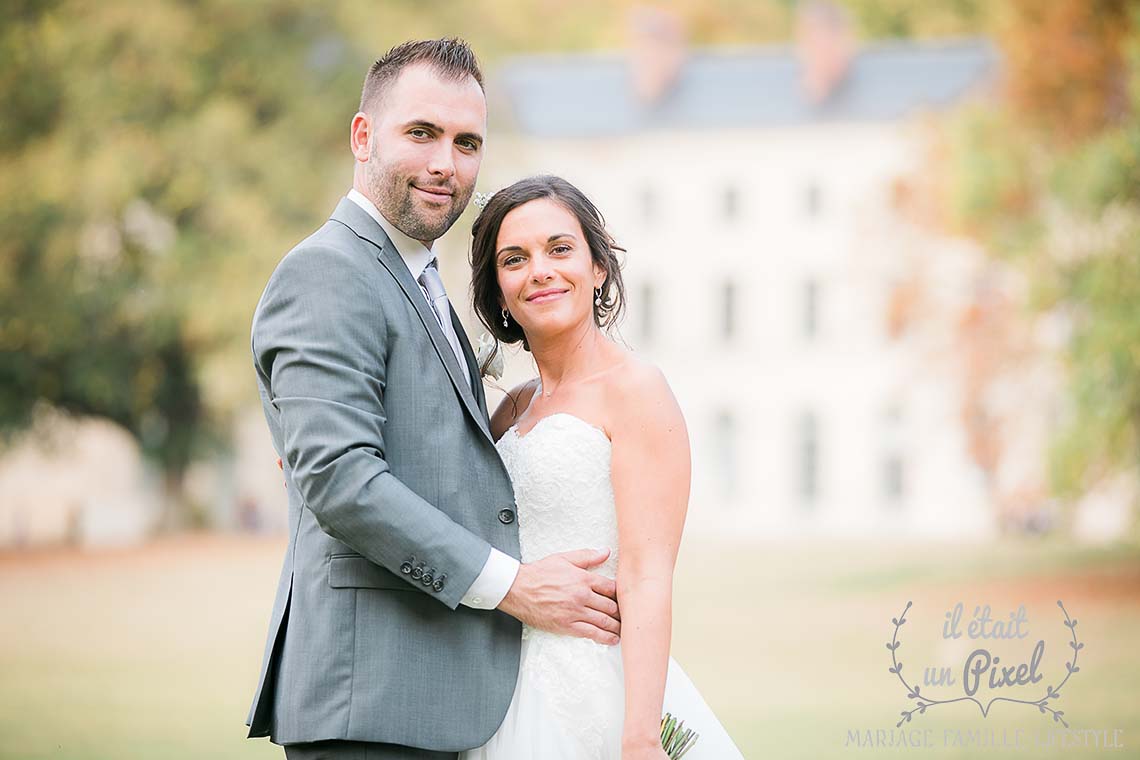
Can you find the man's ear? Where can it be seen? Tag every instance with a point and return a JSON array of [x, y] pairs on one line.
[[360, 135]]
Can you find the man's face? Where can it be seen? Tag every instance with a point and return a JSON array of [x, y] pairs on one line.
[[426, 147]]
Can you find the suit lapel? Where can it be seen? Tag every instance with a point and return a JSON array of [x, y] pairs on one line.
[[366, 228], [472, 364]]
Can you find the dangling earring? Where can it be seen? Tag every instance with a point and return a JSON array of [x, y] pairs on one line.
[[597, 296], [505, 315]]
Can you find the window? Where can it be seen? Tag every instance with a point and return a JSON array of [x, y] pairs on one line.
[[647, 308], [893, 463], [809, 309], [893, 478], [647, 202], [731, 203], [724, 451], [813, 200], [807, 434], [728, 310]]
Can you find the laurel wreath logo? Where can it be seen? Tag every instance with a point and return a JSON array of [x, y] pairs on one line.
[[922, 702]]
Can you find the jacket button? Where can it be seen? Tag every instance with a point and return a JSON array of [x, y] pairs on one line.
[[506, 516], [406, 568], [428, 577], [438, 585], [418, 571]]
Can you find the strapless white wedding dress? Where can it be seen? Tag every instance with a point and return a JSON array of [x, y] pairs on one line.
[[569, 699]]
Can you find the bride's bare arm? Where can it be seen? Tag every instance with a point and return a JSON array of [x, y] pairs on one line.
[[650, 470]]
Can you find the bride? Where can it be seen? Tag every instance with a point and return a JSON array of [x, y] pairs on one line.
[[599, 455]]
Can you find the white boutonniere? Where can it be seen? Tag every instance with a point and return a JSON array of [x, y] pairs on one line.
[[488, 357]]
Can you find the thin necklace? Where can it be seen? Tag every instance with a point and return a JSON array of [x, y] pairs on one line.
[[592, 375]]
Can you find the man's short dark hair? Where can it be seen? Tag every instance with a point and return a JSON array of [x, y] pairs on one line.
[[451, 57]]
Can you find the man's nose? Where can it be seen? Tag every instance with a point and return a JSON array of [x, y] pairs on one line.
[[441, 162]]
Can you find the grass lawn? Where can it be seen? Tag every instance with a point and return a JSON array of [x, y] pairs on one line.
[[153, 652]]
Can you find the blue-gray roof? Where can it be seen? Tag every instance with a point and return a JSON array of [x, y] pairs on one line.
[[591, 94]]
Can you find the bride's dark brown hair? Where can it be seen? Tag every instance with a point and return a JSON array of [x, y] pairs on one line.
[[485, 233]]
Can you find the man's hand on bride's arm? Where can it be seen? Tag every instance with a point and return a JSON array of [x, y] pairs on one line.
[[560, 594]]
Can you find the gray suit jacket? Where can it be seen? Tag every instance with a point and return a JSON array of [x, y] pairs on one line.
[[396, 495]]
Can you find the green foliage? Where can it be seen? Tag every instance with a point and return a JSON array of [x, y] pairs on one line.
[[878, 19], [991, 189], [160, 158], [1104, 360], [1064, 206], [1101, 172]]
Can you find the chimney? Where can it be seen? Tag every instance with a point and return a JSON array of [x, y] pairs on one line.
[[657, 52], [825, 46]]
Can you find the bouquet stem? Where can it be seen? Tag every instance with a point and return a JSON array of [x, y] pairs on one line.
[[676, 740]]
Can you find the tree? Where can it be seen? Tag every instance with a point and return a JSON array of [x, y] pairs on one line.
[[1049, 182], [159, 159]]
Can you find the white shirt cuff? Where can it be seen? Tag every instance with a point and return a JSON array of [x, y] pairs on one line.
[[493, 582]]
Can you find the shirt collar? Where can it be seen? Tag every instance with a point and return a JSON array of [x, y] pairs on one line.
[[414, 253]]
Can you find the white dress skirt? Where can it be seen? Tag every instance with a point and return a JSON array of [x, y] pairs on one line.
[[570, 696]]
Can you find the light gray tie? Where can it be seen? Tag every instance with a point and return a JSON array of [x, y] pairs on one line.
[[431, 283]]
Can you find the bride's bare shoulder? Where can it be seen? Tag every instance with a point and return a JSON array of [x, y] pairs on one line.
[[513, 404], [640, 393]]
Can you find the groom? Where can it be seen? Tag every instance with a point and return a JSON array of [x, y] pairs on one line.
[[396, 628]]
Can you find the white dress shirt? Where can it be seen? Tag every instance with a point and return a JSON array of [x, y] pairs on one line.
[[499, 571]]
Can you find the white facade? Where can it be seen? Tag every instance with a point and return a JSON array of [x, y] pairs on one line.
[[757, 275]]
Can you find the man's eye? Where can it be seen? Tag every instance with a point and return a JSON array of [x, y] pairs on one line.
[[468, 145], [419, 133]]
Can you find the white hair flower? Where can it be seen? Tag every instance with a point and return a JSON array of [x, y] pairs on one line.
[[482, 199], [486, 348]]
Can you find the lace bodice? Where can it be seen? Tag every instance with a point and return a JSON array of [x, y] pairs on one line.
[[565, 498], [561, 473]]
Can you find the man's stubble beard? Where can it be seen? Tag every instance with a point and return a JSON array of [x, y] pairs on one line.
[[392, 194]]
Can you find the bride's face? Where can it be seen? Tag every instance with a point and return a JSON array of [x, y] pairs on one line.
[[545, 271]]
